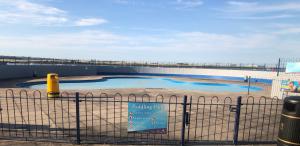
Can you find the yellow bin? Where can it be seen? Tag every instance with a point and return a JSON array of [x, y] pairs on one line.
[[52, 85]]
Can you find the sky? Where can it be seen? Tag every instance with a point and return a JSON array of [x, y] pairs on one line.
[[194, 31]]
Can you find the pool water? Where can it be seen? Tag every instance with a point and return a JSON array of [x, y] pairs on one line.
[[151, 82]]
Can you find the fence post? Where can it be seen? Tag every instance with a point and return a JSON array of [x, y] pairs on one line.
[[183, 120], [237, 120], [278, 67], [77, 119], [249, 81]]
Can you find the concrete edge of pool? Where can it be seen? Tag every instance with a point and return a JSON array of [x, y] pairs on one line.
[[176, 79], [204, 77]]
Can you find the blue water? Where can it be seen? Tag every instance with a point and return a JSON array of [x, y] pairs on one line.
[[149, 82]]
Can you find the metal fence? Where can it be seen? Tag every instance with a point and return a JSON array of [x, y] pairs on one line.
[[282, 62], [18, 60], [86, 118]]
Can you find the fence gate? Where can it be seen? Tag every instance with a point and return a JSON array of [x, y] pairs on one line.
[[228, 120], [210, 120]]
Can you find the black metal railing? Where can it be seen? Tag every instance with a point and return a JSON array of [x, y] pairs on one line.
[[282, 63], [86, 118], [18, 60]]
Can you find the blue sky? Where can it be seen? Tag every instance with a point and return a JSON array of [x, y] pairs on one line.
[[152, 30]]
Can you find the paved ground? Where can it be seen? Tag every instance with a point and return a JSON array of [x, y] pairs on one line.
[[26, 143]]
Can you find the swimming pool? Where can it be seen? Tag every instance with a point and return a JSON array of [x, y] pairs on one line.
[[149, 82]]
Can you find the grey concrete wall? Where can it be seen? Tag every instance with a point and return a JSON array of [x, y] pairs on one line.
[[25, 71], [188, 71], [11, 72]]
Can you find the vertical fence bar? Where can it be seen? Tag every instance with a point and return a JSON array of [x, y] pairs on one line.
[[188, 118], [278, 67], [237, 120], [28, 118], [183, 120], [7, 112], [249, 84], [1, 118], [77, 119], [55, 121]]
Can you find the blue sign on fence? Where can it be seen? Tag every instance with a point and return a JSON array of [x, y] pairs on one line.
[[147, 117]]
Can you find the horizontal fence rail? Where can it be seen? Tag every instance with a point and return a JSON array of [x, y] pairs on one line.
[[282, 63], [103, 119], [17, 60]]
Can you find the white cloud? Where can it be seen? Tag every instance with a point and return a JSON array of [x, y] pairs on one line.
[[90, 21], [188, 45], [18, 11], [255, 7], [241, 3], [260, 11], [269, 17], [61, 40], [121, 1], [29, 7], [188, 4], [286, 29], [25, 12], [294, 30]]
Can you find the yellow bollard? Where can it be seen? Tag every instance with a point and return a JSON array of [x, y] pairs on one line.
[[52, 85]]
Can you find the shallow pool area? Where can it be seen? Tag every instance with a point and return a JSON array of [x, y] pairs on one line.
[[148, 82]]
